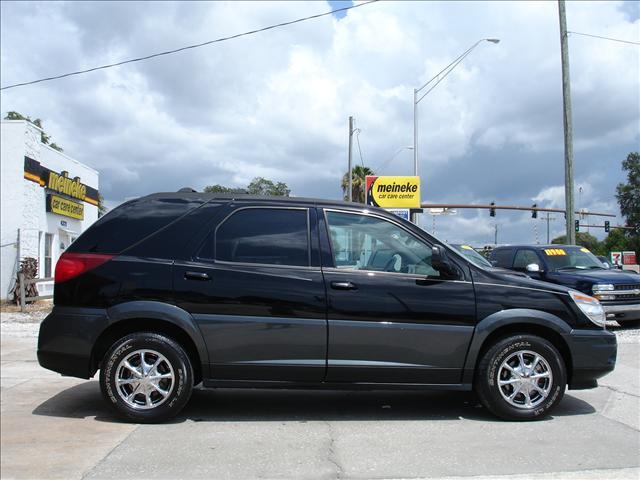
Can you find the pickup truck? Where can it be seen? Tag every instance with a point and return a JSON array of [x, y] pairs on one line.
[[576, 267]]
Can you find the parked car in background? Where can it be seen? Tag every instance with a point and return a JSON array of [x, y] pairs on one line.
[[474, 256], [575, 267], [176, 289], [605, 261]]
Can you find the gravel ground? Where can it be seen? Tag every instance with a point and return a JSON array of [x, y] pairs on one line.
[[27, 324]]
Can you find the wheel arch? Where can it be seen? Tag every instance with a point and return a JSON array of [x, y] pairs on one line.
[[155, 317], [517, 321]]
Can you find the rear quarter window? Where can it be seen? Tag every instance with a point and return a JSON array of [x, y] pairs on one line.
[[131, 222]]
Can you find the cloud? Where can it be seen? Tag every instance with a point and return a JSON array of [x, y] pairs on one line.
[[276, 104]]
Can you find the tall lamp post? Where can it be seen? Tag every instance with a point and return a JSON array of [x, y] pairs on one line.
[[437, 78]]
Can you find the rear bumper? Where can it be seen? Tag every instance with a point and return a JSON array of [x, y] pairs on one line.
[[622, 312], [593, 354], [66, 340]]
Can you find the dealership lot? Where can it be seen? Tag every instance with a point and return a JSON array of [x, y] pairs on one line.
[[56, 427]]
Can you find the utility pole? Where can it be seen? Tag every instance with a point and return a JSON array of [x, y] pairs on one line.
[[495, 238], [568, 127], [414, 216], [350, 194]]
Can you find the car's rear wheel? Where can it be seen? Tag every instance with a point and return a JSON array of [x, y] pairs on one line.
[[521, 377], [146, 377]]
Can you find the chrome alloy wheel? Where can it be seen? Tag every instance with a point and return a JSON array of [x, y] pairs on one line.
[[144, 379], [525, 379]]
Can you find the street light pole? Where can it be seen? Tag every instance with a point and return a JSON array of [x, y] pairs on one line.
[[415, 132], [568, 127], [446, 71], [350, 181]]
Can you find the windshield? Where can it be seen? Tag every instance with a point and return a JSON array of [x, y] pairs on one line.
[[470, 254], [571, 258]]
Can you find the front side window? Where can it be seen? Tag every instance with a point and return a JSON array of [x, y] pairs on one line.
[[362, 242], [524, 258], [264, 235]]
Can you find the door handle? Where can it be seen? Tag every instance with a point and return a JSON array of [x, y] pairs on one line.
[[343, 286], [197, 276]]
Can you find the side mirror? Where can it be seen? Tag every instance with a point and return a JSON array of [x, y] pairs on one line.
[[440, 261], [533, 268]]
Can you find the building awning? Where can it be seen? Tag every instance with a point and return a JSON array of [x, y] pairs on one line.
[[69, 231]]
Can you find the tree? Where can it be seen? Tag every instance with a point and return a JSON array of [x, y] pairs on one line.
[[262, 186], [583, 239], [44, 138], [102, 209], [358, 183], [628, 195], [258, 186], [222, 189], [616, 241]]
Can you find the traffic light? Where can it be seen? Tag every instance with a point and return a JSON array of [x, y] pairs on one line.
[[606, 226], [492, 211], [577, 226], [534, 212]]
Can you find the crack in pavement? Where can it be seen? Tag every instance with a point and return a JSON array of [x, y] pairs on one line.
[[619, 391], [332, 455]]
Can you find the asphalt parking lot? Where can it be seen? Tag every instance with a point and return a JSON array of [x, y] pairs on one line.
[[56, 427]]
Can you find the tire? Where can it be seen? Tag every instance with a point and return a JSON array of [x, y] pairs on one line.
[[149, 393], [500, 374]]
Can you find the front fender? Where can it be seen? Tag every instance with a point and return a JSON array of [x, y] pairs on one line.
[[160, 311], [515, 316]]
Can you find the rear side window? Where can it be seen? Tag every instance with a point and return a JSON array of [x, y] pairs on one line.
[[502, 257], [131, 222], [272, 236]]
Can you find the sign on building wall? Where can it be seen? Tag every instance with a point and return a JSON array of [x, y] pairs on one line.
[[393, 192], [64, 206], [59, 182], [629, 258], [616, 258]]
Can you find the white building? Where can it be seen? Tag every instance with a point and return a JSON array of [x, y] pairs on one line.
[[47, 200]]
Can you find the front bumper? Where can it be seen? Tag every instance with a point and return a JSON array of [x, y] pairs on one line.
[[593, 354], [622, 312]]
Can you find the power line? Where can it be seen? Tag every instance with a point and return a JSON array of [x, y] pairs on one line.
[[188, 47], [605, 38]]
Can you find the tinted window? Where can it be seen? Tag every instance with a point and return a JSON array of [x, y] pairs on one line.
[[264, 235], [501, 258], [524, 258], [362, 242], [131, 222]]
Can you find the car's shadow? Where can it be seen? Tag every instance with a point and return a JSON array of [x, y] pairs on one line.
[[224, 405]]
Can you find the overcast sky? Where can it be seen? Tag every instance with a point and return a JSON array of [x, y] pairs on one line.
[[276, 104]]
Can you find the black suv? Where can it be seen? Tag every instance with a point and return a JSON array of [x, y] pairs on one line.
[[174, 289], [576, 267]]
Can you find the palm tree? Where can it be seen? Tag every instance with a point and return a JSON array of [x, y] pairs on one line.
[[358, 183]]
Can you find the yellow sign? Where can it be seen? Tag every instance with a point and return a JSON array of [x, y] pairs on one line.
[[393, 192], [585, 250], [554, 252], [69, 186], [64, 206]]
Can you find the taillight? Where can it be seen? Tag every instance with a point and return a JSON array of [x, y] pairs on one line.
[[71, 265]]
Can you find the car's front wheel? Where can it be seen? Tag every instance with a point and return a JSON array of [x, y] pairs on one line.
[[146, 377], [521, 377]]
